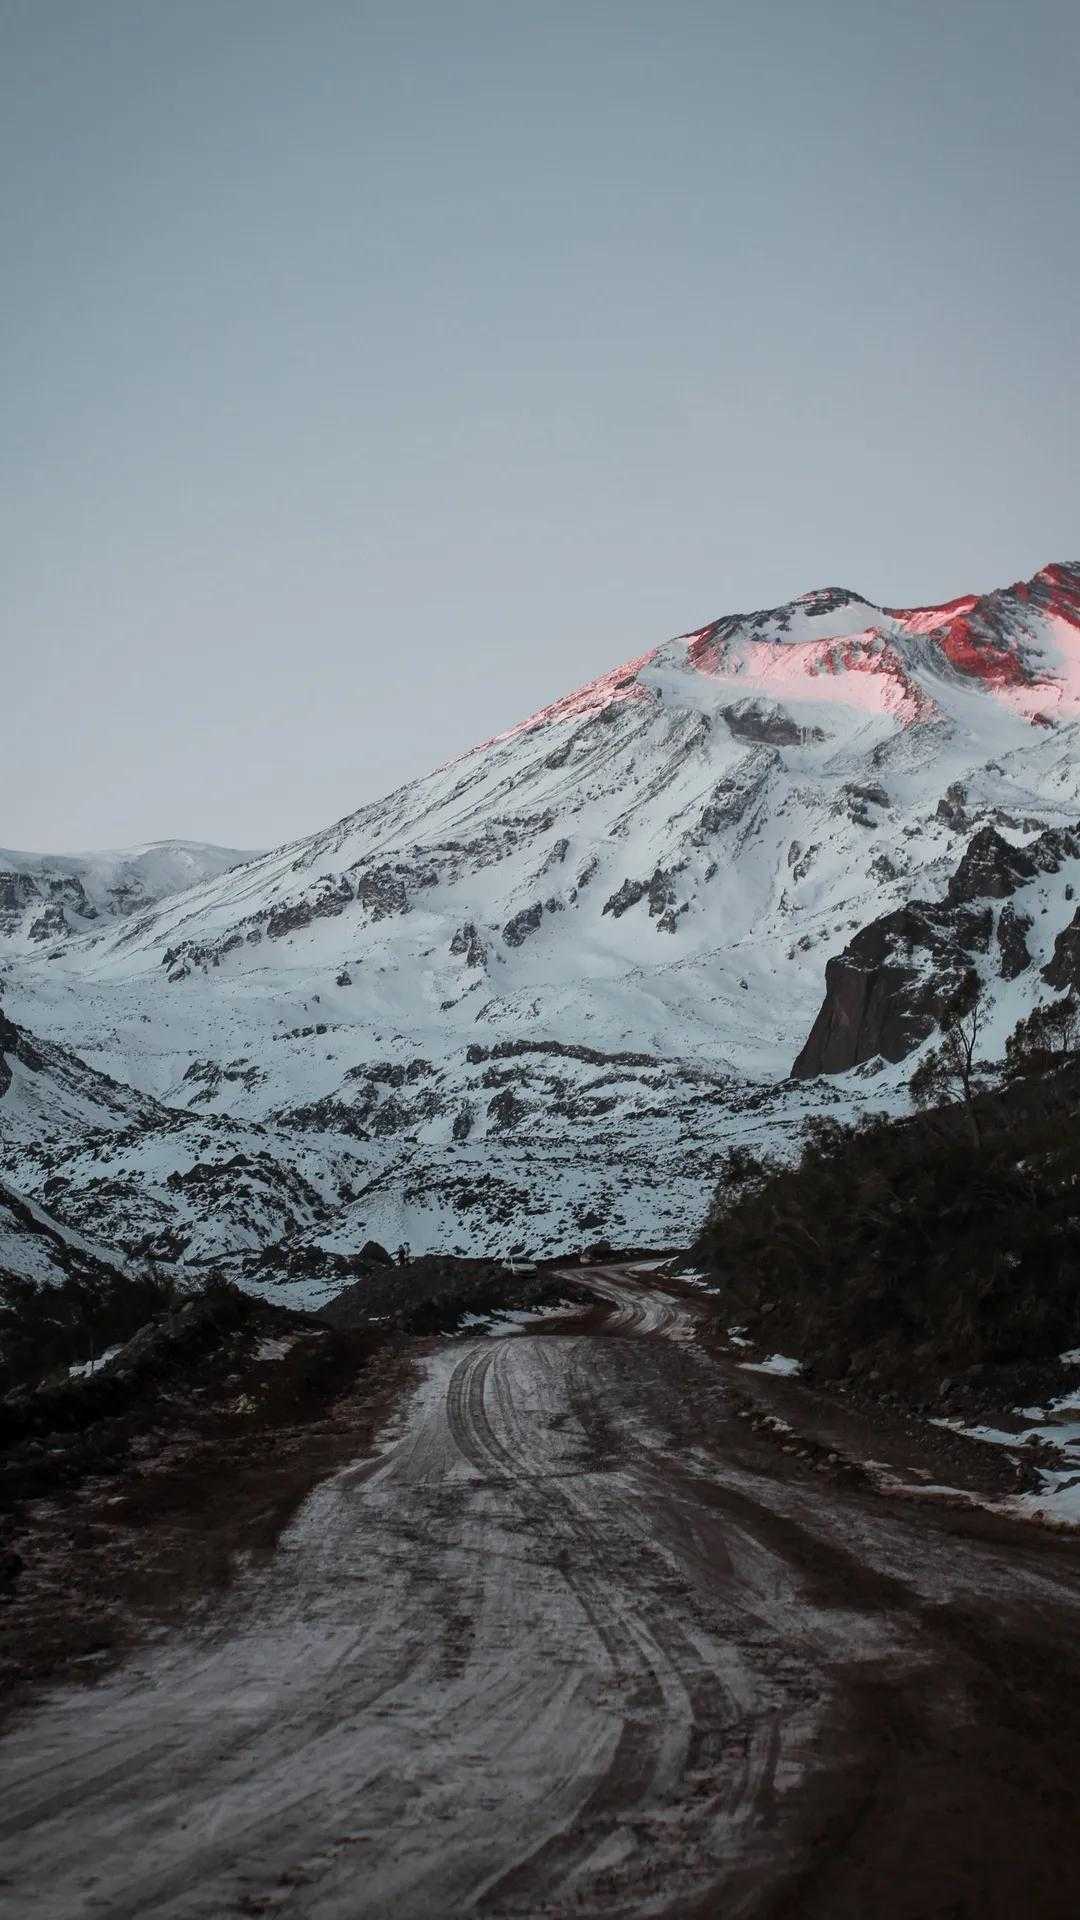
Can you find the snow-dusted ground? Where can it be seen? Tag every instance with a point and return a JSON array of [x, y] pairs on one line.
[[575, 1640], [1058, 1423], [780, 1364], [535, 995]]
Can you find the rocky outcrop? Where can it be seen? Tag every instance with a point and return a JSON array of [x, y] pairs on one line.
[[505, 1110], [9, 1039], [952, 808], [737, 796], [51, 924], [556, 856], [991, 869], [1012, 931], [16, 1045], [467, 943], [1063, 968], [625, 897], [382, 891], [881, 997], [660, 892], [517, 930], [882, 994], [768, 724], [332, 899], [860, 799], [16, 890]]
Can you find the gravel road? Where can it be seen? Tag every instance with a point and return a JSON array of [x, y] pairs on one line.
[[577, 1640]]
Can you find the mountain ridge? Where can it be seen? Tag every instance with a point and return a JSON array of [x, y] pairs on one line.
[[547, 982], [57, 896]]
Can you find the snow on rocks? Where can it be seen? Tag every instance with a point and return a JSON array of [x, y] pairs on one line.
[[449, 1018]]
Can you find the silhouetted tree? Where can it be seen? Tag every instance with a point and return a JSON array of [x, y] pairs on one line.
[[949, 1071]]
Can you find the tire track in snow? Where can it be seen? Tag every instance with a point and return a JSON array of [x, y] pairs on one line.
[[565, 1645]]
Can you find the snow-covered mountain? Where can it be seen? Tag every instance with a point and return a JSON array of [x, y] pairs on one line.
[[536, 994], [46, 898]]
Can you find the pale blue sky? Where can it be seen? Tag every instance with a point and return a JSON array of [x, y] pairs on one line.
[[373, 373]]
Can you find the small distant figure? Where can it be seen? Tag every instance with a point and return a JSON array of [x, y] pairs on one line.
[[403, 1254]]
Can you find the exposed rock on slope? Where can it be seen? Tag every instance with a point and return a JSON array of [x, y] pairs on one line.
[[49, 898], [883, 993], [36, 1247], [756, 791]]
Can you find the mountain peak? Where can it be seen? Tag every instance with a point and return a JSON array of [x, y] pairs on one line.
[[538, 982]]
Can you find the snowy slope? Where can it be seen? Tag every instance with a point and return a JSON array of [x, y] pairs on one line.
[[46, 898], [36, 1247], [539, 991]]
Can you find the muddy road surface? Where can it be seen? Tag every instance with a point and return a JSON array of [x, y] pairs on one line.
[[579, 1640]]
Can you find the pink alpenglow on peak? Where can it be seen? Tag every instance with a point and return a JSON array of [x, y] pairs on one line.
[[620, 684], [1018, 645], [930, 619]]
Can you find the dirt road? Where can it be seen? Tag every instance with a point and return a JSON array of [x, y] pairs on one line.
[[579, 1641]]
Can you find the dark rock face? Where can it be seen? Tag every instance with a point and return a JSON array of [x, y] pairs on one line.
[[557, 856], [517, 930], [738, 796], [882, 994], [877, 998], [18, 1045], [1063, 969], [383, 892], [951, 808], [16, 891], [1013, 928], [288, 919], [767, 723], [467, 941], [625, 897], [991, 869], [505, 1110], [333, 899], [660, 892], [9, 1040], [860, 799], [50, 925], [68, 887]]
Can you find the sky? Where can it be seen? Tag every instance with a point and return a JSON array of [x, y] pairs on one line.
[[372, 374]]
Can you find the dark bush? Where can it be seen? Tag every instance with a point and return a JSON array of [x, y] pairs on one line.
[[44, 1327], [906, 1245]]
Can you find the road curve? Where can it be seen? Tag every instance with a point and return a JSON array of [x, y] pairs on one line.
[[575, 1641]]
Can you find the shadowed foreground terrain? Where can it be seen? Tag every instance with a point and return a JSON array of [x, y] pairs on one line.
[[581, 1637]]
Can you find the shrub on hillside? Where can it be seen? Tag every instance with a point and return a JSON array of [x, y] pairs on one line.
[[906, 1245], [47, 1327]]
